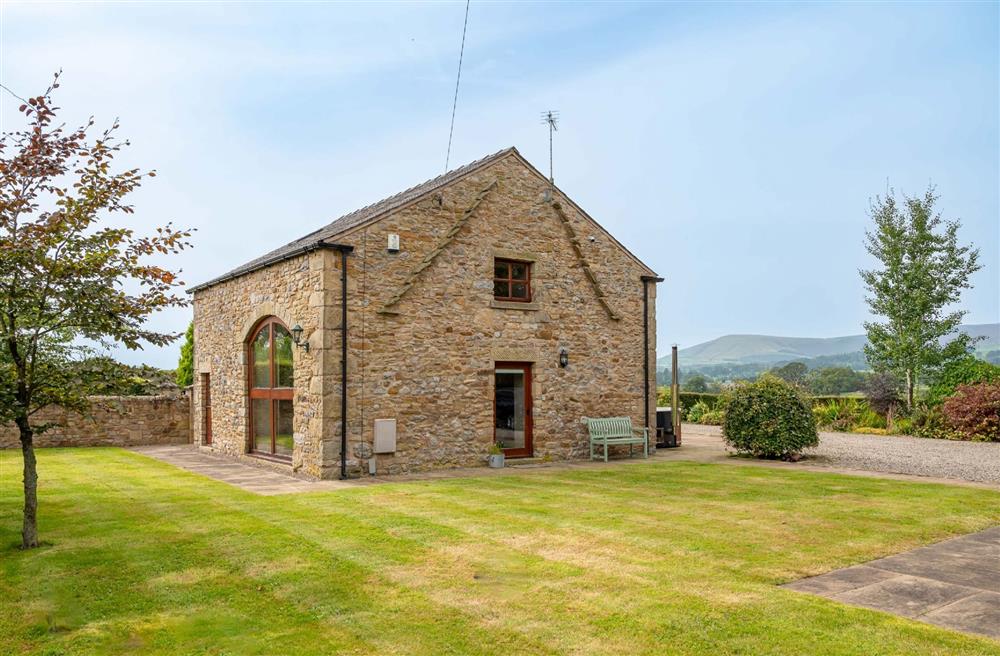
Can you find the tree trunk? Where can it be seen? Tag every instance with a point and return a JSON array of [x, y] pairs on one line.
[[29, 531], [909, 389]]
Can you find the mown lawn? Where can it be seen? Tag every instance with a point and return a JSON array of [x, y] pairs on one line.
[[652, 558]]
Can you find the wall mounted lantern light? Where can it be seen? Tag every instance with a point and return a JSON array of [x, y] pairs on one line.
[[297, 337], [563, 357]]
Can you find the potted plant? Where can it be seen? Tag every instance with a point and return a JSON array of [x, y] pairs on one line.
[[495, 457]]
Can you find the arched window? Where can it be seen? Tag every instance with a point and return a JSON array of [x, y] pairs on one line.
[[271, 383]]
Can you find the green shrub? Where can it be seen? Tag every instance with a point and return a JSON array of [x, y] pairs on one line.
[[902, 426], [868, 418], [689, 399], [713, 418], [768, 419], [964, 371], [696, 411], [929, 421], [828, 413], [185, 367], [865, 430], [846, 414]]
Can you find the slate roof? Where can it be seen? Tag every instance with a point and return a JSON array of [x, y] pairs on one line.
[[320, 238], [356, 218]]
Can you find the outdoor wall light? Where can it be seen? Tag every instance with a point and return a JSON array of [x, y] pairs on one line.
[[297, 337], [563, 357]]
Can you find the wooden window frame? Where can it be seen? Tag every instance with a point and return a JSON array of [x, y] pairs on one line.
[[510, 280], [275, 394], [206, 409]]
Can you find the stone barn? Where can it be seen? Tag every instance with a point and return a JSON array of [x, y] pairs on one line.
[[480, 307]]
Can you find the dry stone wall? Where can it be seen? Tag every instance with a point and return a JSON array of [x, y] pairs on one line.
[[112, 421]]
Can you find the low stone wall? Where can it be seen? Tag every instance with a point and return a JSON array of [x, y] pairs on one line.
[[113, 421]]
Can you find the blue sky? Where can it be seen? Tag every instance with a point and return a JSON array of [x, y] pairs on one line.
[[733, 147]]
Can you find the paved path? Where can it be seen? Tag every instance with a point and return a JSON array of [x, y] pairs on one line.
[[244, 474], [235, 472], [700, 444], [894, 456], [955, 584]]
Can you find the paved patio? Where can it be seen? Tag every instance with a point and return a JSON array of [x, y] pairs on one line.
[[238, 473], [954, 584], [700, 444]]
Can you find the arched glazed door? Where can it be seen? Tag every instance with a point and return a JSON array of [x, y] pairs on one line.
[[271, 389]]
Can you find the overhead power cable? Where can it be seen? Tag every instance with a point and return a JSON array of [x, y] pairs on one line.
[[454, 104]]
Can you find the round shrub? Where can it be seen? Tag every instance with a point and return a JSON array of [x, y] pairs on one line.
[[768, 419]]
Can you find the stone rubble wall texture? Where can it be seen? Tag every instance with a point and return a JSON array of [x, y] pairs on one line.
[[112, 421], [429, 363], [224, 317]]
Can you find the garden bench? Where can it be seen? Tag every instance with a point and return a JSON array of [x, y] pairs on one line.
[[610, 431]]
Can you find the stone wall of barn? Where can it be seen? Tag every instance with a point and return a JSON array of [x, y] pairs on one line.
[[224, 316], [425, 332], [112, 421], [427, 360]]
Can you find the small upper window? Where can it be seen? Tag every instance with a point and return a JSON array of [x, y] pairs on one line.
[[511, 280]]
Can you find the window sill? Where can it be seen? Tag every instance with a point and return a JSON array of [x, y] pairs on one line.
[[514, 305]]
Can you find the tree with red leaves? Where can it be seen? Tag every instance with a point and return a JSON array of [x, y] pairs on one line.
[[974, 411], [67, 277]]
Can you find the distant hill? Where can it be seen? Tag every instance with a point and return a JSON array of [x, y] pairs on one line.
[[736, 350]]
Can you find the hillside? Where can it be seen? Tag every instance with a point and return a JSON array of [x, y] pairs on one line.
[[767, 349]]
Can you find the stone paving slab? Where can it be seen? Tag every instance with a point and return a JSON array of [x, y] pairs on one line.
[[238, 473], [698, 447], [954, 584]]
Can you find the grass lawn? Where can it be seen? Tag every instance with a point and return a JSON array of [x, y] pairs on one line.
[[649, 558]]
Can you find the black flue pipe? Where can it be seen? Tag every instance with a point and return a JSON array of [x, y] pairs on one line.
[[645, 345]]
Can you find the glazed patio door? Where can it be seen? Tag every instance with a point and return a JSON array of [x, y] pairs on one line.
[[512, 408], [271, 390]]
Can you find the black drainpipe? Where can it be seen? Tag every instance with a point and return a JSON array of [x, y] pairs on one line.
[[645, 345], [344, 251], [343, 362]]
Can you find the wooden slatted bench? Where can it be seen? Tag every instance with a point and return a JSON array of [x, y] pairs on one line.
[[610, 431]]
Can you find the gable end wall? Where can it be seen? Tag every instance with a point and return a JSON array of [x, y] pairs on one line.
[[430, 366]]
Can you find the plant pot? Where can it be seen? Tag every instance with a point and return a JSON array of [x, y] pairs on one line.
[[496, 460]]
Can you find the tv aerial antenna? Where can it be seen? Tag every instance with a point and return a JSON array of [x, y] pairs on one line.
[[551, 118]]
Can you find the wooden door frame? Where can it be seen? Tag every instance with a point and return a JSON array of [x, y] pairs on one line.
[[206, 409], [529, 442]]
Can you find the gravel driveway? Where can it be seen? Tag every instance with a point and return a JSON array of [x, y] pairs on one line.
[[970, 461], [899, 454]]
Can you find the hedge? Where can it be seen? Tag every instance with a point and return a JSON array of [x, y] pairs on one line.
[[688, 399]]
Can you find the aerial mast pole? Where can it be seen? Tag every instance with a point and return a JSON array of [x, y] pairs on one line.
[[551, 118]]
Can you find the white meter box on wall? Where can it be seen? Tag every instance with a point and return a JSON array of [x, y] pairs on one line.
[[385, 436]]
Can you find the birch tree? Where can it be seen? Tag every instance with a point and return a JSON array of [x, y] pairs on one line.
[[922, 270]]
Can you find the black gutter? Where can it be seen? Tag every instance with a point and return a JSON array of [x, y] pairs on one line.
[[645, 344], [344, 251], [302, 250]]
